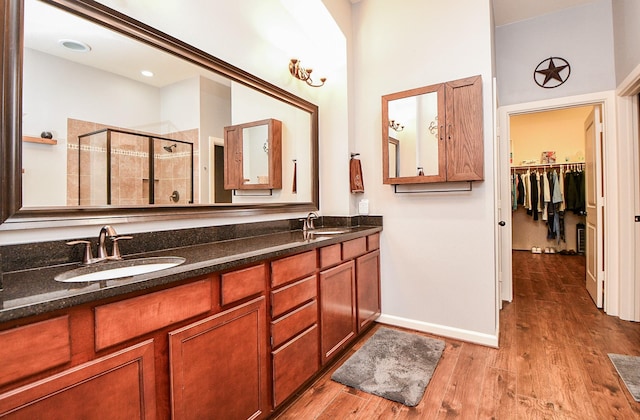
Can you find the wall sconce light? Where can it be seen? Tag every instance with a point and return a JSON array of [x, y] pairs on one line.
[[396, 126], [303, 74]]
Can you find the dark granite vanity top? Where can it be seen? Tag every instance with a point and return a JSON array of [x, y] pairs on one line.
[[34, 291]]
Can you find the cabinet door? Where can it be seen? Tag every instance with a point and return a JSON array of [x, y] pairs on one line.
[[118, 386], [219, 365], [338, 308], [465, 149], [368, 287], [294, 363]]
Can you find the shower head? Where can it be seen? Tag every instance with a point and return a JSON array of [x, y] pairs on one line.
[[169, 148]]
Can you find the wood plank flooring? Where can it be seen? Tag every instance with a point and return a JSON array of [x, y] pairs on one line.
[[552, 362]]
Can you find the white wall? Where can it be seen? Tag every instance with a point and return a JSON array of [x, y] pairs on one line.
[[437, 254], [626, 31], [581, 35]]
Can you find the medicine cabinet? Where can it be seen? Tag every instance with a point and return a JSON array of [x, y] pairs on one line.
[[253, 155], [434, 133]]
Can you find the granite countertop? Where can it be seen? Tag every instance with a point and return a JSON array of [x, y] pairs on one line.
[[31, 292]]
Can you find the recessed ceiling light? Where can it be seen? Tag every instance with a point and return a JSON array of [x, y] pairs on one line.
[[146, 73], [74, 45]]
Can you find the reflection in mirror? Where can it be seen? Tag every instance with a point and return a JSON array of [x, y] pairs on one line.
[[255, 154], [253, 157], [110, 166], [419, 151], [102, 88], [394, 157]]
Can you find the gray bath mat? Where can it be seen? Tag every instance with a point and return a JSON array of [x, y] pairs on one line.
[[628, 368], [392, 364]]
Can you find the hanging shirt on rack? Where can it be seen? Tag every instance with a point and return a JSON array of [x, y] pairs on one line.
[[514, 201], [561, 186], [556, 196], [533, 179], [520, 191], [527, 191]]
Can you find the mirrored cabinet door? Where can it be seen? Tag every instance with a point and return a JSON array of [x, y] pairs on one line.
[[414, 150], [253, 155]]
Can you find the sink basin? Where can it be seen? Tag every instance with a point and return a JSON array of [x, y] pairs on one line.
[[328, 231], [118, 269]]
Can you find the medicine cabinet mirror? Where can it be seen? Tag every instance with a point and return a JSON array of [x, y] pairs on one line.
[[253, 155], [433, 133], [49, 88]]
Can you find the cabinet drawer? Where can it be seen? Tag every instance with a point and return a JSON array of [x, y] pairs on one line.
[[373, 242], [292, 268], [354, 248], [294, 363], [120, 321], [293, 295], [34, 348], [330, 255], [291, 324], [241, 284]]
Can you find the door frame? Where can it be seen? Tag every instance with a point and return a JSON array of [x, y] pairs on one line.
[[629, 163], [607, 101]]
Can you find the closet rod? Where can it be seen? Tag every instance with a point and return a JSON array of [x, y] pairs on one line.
[[546, 165]]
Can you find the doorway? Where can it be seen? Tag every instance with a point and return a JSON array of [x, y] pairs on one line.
[[553, 183], [606, 101]]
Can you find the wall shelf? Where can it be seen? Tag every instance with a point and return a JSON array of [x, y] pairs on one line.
[[39, 140]]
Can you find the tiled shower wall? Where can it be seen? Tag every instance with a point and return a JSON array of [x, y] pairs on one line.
[[129, 167]]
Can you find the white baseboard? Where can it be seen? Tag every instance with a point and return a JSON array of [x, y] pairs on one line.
[[449, 332]]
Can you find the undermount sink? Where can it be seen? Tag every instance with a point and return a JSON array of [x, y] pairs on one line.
[[328, 231], [118, 269]]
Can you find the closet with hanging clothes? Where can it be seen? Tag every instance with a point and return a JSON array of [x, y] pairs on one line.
[[547, 180], [548, 204]]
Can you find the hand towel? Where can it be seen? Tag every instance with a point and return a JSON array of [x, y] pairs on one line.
[[294, 187], [355, 176]]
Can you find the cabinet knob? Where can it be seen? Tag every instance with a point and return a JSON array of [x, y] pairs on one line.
[[502, 223]]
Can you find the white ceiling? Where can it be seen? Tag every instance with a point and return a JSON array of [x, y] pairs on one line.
[[510, 11]]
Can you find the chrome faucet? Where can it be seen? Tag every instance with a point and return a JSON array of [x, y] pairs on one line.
[[308, 222], [105, 232], [102, 248]]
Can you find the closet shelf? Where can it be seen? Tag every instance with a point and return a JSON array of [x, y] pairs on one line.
[[545, 165], [39, 140]]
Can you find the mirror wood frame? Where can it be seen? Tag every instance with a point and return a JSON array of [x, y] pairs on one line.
[[13, 216]]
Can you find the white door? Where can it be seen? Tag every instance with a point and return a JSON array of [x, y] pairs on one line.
[[504, 217], [594, 200]]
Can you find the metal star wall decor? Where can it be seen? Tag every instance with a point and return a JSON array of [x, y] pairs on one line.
[[554, 70]]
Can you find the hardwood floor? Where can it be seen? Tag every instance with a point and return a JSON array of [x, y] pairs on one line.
[[552, 362]]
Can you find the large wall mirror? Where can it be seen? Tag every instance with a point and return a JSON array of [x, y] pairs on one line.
[[73, 72]]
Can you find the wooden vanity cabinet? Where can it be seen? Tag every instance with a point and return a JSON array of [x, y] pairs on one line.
[[119, 386], [368, 288], [337, 308], [294, 323], [349, 291], [229, 345], [219, 365]]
